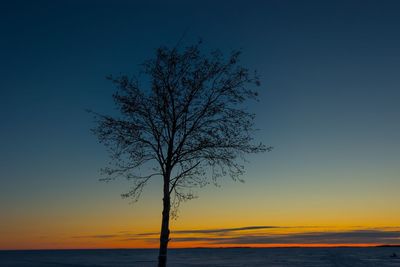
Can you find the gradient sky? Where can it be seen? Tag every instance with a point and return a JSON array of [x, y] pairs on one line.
[[329, 105]]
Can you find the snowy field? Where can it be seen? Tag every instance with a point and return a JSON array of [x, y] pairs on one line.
[[237, 257]]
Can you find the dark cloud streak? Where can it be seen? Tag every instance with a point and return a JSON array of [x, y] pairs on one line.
[[238, 236], [346, 237]]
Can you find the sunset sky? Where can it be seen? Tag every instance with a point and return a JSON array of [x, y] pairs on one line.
[[329, 105]]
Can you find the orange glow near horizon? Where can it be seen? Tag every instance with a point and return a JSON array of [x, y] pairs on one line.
[[216, 238]]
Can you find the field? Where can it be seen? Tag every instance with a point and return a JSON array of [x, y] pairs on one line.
[[233, 257]]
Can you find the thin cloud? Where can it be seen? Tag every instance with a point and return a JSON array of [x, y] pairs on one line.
[[346, 237], [226, 230], [131, 236], [97, 236], [252, 235]]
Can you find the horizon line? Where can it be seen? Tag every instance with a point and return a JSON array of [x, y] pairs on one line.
[[221, 247]]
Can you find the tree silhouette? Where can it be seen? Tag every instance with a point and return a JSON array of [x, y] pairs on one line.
[[188, 125]]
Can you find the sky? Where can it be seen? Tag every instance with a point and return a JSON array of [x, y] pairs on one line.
[[328, 105]]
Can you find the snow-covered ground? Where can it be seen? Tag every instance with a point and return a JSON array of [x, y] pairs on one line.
[[237, 257]]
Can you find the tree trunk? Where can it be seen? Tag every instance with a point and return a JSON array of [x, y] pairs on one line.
[[164, 235]]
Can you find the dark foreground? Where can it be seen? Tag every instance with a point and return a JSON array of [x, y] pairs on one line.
[[235, 257]]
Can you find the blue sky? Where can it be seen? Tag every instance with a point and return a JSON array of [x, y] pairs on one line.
[[328, 103]]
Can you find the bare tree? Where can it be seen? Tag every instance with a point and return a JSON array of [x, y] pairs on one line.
[[188, 125]]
